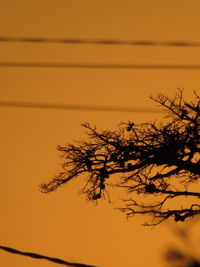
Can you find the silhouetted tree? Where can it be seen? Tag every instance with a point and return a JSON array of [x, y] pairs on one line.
[[159, 160], [177, 258]]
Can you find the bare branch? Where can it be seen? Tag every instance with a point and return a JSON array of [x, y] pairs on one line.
[[151, 159]]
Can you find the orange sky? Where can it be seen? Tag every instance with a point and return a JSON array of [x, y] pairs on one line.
[[62, 224]]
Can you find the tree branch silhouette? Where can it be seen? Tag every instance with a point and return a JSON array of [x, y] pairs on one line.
[[159, 160]]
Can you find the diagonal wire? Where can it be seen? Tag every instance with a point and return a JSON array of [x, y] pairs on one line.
[[98, 41], [38, 256], [99, 66], [75, 107]]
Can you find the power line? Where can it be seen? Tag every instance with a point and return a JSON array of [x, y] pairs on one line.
[[75, 107], [38, 256], [99, 41], [99, 65]]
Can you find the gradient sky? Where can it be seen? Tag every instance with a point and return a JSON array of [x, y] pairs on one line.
[[63, 224]]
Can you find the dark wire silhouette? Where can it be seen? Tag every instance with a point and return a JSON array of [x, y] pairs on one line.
[[75, 107], [38, 256], [98, 41], [99, 65]]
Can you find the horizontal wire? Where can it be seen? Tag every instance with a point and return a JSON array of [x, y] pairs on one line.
[[99, 65], [75, 107], [98, 41], [38, 256]]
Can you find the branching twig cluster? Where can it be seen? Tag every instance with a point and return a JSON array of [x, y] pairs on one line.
[[151, 159]]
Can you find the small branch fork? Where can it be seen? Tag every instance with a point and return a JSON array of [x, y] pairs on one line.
[[159, 216]]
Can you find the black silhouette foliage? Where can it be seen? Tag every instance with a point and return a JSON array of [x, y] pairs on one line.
[[178, 258], [152, 159]]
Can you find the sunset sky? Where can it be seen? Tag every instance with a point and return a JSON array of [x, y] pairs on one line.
[[63, 224]]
